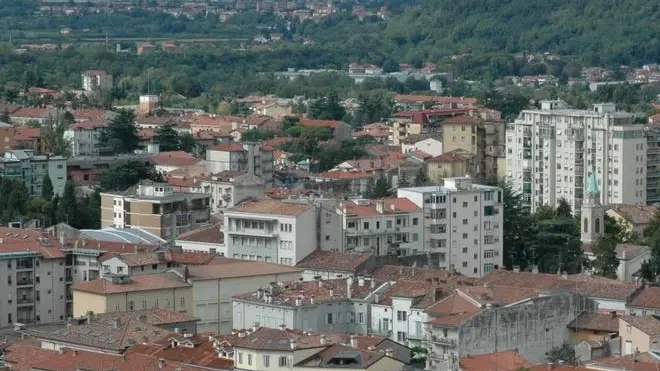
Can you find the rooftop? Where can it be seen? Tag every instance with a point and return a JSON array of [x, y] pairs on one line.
[[331, 124], [228, 147], [603, 322], [194, 349], [115, 331], [591, 286], [29, 241], [210, 234], [220, 268], [174, 158], [649, 297], [637, 214], [271, 207], [341, 356], [332, 260], [144, 282], [384, 206], [647, 324], [501, 361], [497, 295], [310, 292], [123, 235]]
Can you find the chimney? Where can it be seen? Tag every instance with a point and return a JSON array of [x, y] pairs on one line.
[[311, 299], [324, 340], [293, 344], [373, 283], [332, 293], [389, 353], [186, 273], [75, 352], [241, 334], [613, 314], [380, 206], [437, 294], [260, 294], [516, 269], [161, 363], [177, 330], [255, 326], [115, 323], [299, 301], [321, 284], [283, 327], [392, 207], [60, 351], [160, 255], [354, 341], [349, 285], [535, 269], [360, 280]]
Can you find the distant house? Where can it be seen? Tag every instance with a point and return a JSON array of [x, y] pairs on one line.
[[172, 160], [421, 142], [634, 218], [143, 48]]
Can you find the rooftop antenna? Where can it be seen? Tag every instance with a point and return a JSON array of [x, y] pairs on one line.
[[106, 41]]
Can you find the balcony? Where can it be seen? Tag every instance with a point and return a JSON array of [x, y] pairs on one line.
[[25, 302], [24, 282], [266, 232], [443, 341]]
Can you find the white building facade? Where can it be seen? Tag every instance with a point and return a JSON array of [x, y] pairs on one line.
[[550, 153], [463, 222], [271, 231], [382, 227]]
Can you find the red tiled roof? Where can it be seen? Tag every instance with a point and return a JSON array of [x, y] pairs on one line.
[[90, 124], [174, 158], [198, 350], [434, 99], [219, 268], [638, 214], [501, 361], [146, 134], [649, 297], [32, 112], [27, 133], [322, 359], [29, 240], [88, 114], [632, 362], [277, 141], [647, 324], [331, 124], [145, 282], [37, 90], [462, 120], [390, 206], [604, 322], [452, 305], [210, 234], [228, 147], [332, 260]]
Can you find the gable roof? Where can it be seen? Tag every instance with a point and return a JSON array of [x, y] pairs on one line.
[[174, 158], [604, 322], [647, 324], [210, 234], [649, 297], [324, 358], [330, 124], [333, 260], [143, 282], [390, 207]]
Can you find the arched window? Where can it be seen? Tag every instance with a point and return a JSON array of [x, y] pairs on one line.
[[585, 227], [597, 226]]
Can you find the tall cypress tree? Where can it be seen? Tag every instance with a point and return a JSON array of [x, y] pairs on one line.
[[47, 188]]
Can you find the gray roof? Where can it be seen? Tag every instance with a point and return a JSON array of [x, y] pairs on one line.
[[4, 125], [128, 235]]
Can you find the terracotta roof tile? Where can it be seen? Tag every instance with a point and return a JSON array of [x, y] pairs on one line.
[[332, 260], [452, 156], [92, 124], [29, 240], [649, 297], [344, 175], [497, 295], [452, 305], [632, 362], [638, 214], [461, 120], [605, 322], [322, 359], [26, 133], [227, 268], [434, 99], [228, 147], [629, 251], [390, 206], [144, 282], [501, 361], [174, 158], [198, 349], [271, 207], [146, 133], [36, 113], [210, 234], [88, 114], [647, 324]]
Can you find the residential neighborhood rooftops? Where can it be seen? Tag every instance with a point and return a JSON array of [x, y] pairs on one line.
[[332, 260], [637, 214], [649, 297], [29, 241], [272, 207], [27, 133], [144, 282], [509, 360], [228, 147], [332, 356]]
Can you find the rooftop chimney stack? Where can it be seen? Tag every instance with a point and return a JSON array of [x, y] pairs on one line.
[[354, 341], [360, 280], [380, 206]]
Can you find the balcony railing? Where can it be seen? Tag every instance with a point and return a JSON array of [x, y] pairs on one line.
[[443, 341], [24, 282], [25, 301]]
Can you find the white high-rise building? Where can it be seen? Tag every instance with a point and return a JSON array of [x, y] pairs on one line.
[[463, 222], [550, 153]]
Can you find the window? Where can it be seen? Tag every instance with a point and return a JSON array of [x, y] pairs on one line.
[[415, 221], [182, 301], [489, 210], [266, 361], [465, 204], [240, 357], [415, 237], [249, 359], [154, 266], [352, 224], [453, 199], [328, 319], [360, 317], [488, 267], [465, 236], [131, 305], [283, 361], [418, 328], [351, 317], [465, 221], [464, 264], [365, 225], [401, 315], [385, 325], [400, 336], [465, 250], [489, 253], [389, 224]]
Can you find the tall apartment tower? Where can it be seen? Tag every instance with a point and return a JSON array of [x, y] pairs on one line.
[[463, 223], [592, 213], [549, 153]]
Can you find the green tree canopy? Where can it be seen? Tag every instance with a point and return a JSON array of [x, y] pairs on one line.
[[121, 135], [47, 188]]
